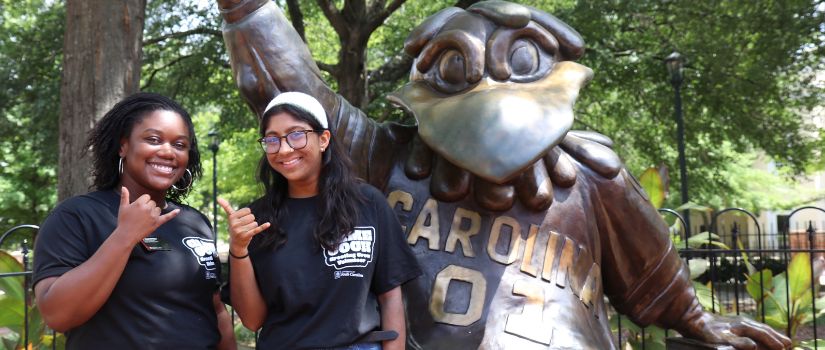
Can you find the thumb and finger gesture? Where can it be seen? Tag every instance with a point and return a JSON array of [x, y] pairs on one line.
[[141, 217], [242, 227]]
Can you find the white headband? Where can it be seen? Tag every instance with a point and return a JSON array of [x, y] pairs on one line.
[[303, 102]]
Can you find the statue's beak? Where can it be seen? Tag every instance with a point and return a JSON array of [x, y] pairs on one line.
[[496, 129]]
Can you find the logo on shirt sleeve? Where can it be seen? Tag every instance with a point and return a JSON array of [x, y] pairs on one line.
[[204, 251], [355, 251]]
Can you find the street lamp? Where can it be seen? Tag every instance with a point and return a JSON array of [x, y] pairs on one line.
[[214, 145], [674, 63], [214, 142]]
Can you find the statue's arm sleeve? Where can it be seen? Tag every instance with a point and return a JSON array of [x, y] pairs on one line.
[[268, 56], [644, 277]]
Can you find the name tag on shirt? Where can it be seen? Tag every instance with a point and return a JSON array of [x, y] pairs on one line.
[[153, 244]]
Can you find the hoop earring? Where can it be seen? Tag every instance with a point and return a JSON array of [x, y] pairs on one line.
[[120, 166], [191, 178]]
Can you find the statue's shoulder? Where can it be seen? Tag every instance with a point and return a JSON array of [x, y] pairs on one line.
[[371, 145], [352, 123]]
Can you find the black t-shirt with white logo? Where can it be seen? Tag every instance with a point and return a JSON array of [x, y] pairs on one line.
[[163, 299], [317, 298]]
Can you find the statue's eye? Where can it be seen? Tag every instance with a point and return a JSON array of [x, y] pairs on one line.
[[524, 58], [449, 74], [451, 68], [521, 55], [451, 62]]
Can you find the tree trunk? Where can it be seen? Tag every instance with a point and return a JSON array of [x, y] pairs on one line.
[[354, 24], [101, 65], [352, 73]]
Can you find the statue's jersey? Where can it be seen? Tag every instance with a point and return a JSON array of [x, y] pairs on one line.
[[515, 279], [523, 278]]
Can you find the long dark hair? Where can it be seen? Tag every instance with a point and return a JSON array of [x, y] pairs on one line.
[[104, 140], [337, 188]]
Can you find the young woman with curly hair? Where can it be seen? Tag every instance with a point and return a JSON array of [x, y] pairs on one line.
[[127, 265]]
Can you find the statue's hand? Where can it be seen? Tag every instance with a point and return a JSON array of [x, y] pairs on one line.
[[740, 332], [233, 10]]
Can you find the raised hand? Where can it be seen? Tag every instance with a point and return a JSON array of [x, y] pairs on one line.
[[140, 218], [242, 227]]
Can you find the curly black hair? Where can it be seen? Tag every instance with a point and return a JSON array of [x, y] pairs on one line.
[[337, 186], [104, 140]]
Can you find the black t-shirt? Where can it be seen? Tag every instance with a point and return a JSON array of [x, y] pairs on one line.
[[163, 299], [316, 298]]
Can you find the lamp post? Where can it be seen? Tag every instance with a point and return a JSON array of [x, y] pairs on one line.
[[674, 63], [214, 142]]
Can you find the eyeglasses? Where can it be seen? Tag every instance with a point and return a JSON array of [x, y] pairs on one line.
[[296, 139]]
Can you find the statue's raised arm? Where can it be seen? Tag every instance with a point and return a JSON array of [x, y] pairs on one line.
[[522, 226], [267, 55]]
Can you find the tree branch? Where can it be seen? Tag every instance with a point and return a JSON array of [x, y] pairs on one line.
[[393, 70], [156, 70], [376, 6], [222, 63], [334, 17], [332, 69], [175, 35], [378, 18], [297, 17]]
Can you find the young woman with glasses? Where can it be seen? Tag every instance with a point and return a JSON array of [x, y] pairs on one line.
[[318, 261], [127, 266]]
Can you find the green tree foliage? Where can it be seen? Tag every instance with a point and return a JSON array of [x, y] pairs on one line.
[[747, 79], [31, 39], [747, 82], [184, 58], [749, 65]]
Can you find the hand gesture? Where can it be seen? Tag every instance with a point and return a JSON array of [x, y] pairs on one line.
[[242, 227], [740, 332], [140, 218]]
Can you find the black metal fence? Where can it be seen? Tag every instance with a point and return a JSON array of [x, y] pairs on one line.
[[738, 268], [17, 296]]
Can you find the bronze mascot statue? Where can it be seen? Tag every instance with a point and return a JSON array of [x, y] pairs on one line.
[[521, 225]]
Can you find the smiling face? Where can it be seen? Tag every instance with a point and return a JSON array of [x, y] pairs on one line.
[[155, 154], [301, 167]]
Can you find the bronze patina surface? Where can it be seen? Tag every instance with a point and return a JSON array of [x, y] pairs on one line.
[[521, 225]]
